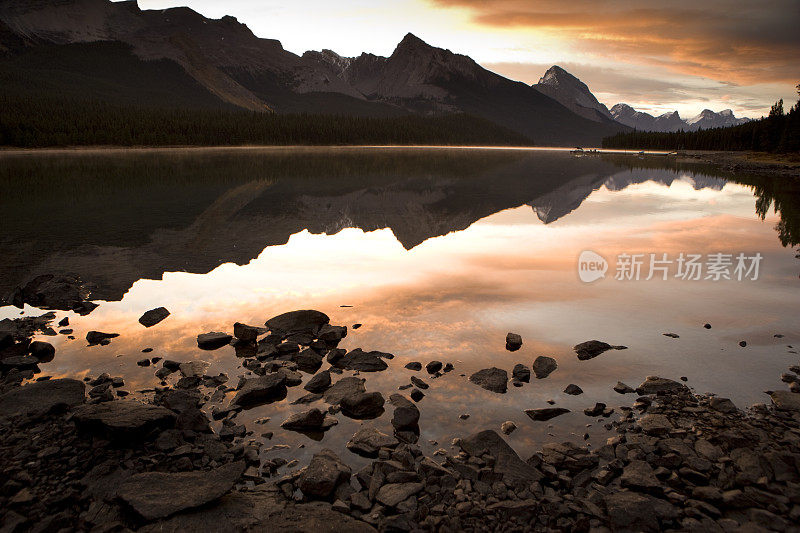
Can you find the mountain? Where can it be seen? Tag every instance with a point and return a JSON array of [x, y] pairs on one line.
[[572, 93], [625, 114], [221, 63]]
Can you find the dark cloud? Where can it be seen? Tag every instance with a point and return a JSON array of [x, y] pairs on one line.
[[725, 40]]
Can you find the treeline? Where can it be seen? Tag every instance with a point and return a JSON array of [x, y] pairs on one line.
[[779, 132], [52, 122]]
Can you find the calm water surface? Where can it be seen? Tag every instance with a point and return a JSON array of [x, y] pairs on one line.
[[440, 253]]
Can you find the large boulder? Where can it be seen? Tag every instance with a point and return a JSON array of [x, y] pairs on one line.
[[319, 383], [153, 316], [123, 419], [492, 379], [261, 390], [322, 475], [297, 322], [543, 366], [42, 397], [363, 405], [507, 462], [43, 352], [155, 495]]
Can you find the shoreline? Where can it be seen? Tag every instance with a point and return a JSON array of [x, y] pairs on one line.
[[104, 462]]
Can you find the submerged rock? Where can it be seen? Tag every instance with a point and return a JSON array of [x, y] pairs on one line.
[[543, 366], [364, 361], [545, 413], [655, 384], [622, 388], [492, 379], [311, 420], [154, 495], [298, 322], [154, 316], [591, 349]]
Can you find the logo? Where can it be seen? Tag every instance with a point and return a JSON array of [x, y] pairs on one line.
[[591, 266]]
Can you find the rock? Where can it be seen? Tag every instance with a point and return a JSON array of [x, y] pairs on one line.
[[508, 427], [65, 292], [629, 511], [331, 335], [573, 390], [367, 441], [545, 413], [42, 397], [507, 462], [308, 398], [297, 322], [319, 383], [742, 343], [261, 390], [622, 388], [193, 420], [322, 475], [308, 360], [313, 419], [143, 362], [671, 335], [655, 424], [194, 368], [414, 365], [392, 494], [492, 379], [364, 361], [591, 349], [348, 386], [597, 410], [723, 405], [417, 395], [707, 326], [213, 340], [155, 495], [406, 415], [785, 400], [363, 405], [655, 384], [154, 316], [96, 337], [246, 333], [513, 342], [179, 400], [419, 383], [521, 373], [638, 475], [543, 366], [43, 352], [433, 367], [123, 419]]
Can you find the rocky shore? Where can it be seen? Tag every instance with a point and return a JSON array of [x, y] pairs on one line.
[[85, 456]]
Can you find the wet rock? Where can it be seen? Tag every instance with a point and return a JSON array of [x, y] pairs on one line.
[[348, 386], [42, 397], [367, 441], [154, 316], [261, 390], [597, 410], [414, 365], [785, 400], [591, 349], [671, 335], [507, 462], [492, 379], [417, 395], [155, 495], [630, 511], [433, 367], [638, 475], [143, 362], [521, 373], [622, 388], [508, 427], [179, 400], [331, 335], [194, 368], [406, 414], [310, 420], [419, 383], [319, 383], [97, 337], [193, 420], [742, 343], [392, 494], [322, 475], [364, 361], [308, 360], [297, 322], [707, 326], [363, 405], [513, 342], [655, 424], [123, 419], [723, 405], [655, 385], [573, 390], [43, 352], [213, 340], [543, 366], [545, 413], [246, 333]]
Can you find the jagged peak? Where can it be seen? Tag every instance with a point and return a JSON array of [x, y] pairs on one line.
[[621, 107], [411, 43]]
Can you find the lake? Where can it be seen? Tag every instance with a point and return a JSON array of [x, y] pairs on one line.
[[438, 253]]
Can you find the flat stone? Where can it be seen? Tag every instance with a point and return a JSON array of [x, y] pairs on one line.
[[123, 418], [367, 441], [213, 340], [419, 383], [655, 384], [155, 495], [655, 424], [363, 361], [313, 419], [261, 390], [392, 494], [96, 337], [154, 316], [363, 405], [622, 388], [507, 462], [591, 349], [573, 390], [785, 400], [322, 475], [42, 397], [297, 322], [414, 365], [492, 379], [543, 366], [344, 387], [545, 413]]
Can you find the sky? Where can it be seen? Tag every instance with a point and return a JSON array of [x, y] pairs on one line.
[[684, 55]]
